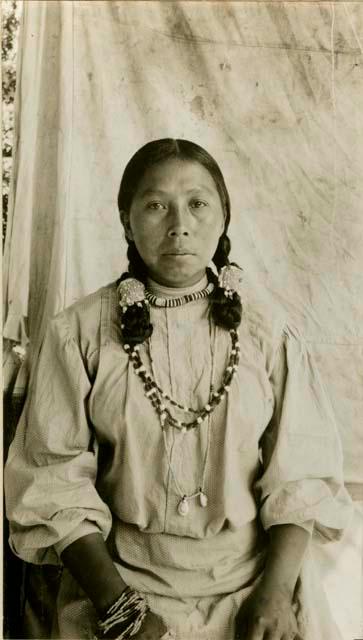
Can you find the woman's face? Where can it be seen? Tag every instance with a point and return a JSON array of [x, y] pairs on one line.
[[175, 220]]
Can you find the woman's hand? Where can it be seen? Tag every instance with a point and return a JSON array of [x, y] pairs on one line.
[[152, 628], [267, 613]]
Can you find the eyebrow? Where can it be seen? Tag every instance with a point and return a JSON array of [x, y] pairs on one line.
[[148, 192]]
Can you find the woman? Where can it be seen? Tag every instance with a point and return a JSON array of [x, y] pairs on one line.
[[168, 415]]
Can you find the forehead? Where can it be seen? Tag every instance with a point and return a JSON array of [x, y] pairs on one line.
[[175, 174]]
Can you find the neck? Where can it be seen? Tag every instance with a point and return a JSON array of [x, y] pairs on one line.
[[173, 292]]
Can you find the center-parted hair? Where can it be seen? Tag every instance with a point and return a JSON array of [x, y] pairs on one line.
[[226, 312]]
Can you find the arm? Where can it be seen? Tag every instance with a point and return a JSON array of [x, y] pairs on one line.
[[269, 608], [52, 464], [302, 484], [90, 563], [286, 550]]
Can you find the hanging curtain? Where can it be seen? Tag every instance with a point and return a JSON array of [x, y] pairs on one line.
[[273, 90]]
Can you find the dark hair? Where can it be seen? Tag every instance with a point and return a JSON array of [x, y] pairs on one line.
[[226, 312], [160, 150]]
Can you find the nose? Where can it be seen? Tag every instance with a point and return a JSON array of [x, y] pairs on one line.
[[178, 222]]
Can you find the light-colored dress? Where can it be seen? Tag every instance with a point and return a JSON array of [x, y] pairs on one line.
[[89, 455]]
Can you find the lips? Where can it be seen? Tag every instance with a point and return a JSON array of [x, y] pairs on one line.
[[178, 252]]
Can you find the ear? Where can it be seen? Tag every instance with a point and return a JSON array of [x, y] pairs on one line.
[[125, 219]]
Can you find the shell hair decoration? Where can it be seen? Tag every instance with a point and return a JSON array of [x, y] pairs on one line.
[[230, 279], [131, 291]]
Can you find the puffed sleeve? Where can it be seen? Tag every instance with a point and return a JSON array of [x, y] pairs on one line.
[[302, 482], [50, 475]]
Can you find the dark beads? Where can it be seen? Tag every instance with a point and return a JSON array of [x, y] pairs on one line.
[[151, 388]]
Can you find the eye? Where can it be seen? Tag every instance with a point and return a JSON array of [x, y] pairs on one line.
[[198, 204], [155, 205]]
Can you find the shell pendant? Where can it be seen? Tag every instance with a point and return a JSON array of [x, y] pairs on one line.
[[183, 507], [203, 500]]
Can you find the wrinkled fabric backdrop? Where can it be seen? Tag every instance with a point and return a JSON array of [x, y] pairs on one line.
[[274, 90]]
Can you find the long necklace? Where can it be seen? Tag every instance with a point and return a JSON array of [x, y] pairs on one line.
[[158, 397], [183, 505]]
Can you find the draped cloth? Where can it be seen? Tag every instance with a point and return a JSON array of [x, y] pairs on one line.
[[272, 90]]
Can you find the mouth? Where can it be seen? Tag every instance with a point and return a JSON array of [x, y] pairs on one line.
[[178, 252]]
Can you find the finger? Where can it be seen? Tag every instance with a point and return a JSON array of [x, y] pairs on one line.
[[291, 636], [277, 632], [292, 633], [281, 635], [256, 629], [274, 635]]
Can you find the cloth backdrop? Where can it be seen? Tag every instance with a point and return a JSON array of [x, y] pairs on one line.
[[274, 90]]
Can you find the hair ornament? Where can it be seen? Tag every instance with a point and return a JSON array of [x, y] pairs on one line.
[[230, 279], [131, 291]]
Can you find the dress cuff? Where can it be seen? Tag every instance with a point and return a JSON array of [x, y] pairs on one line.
[[309, 501], [83, 529], [308, 525]]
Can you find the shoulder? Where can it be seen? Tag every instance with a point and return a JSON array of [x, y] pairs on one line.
[[264, 320], [82, 320]]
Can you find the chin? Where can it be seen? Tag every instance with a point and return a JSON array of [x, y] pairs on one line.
[[177, 279], [183, 282]]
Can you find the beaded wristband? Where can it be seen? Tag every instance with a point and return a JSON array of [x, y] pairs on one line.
[[128, 610]]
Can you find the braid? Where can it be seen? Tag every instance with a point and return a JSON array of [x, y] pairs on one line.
[[222, 252], [226, 312], [136, 326], [137, 267]]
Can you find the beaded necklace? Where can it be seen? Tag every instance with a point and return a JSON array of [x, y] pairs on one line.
[[156, 301], [154, 393], [183, 506]]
